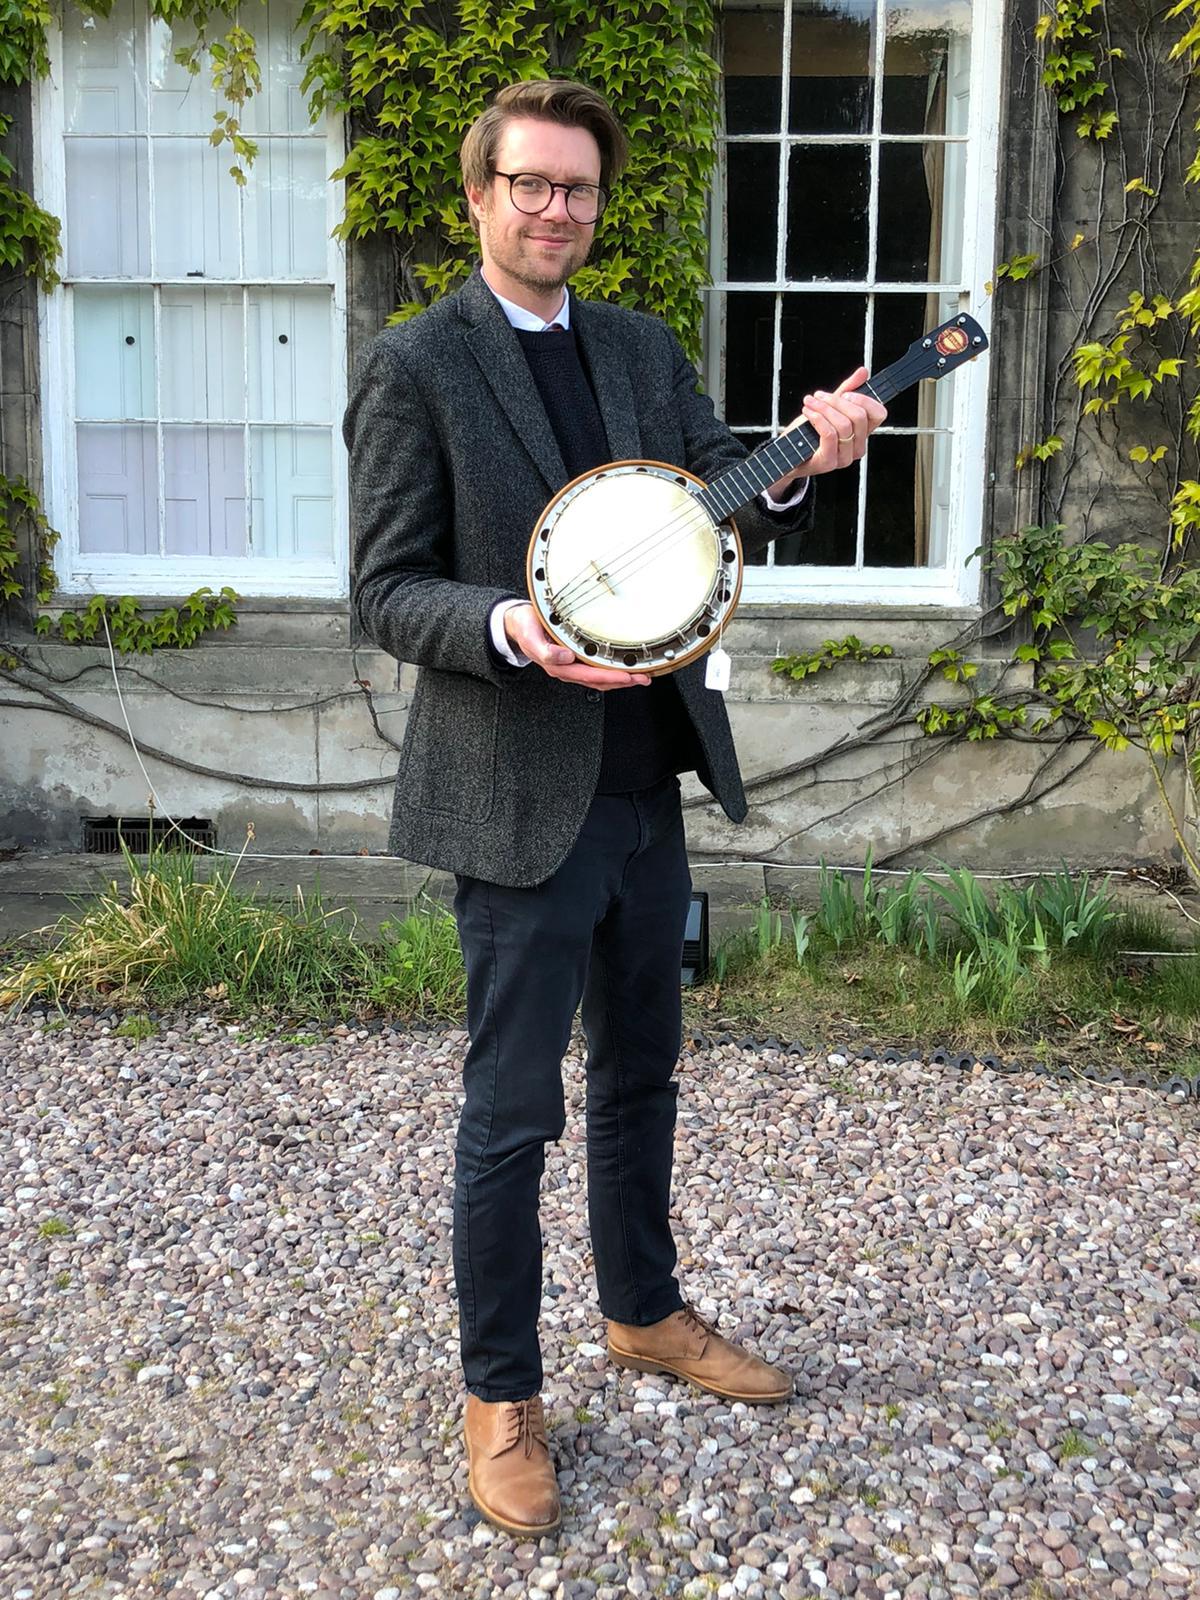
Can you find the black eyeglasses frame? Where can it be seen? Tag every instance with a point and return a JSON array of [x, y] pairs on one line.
[[567, 188]]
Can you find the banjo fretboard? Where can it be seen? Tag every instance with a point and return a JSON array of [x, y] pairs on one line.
[[932, 356]]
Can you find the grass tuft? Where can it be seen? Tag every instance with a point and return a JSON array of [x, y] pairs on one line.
[[170, 938], [968, 966]]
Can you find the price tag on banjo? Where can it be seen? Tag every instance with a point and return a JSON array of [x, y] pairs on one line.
[[716, 669]]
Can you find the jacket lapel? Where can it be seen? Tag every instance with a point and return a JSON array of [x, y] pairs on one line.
[[494, 345], [608, 364]]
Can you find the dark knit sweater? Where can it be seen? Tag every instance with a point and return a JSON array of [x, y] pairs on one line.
[[647, 732]]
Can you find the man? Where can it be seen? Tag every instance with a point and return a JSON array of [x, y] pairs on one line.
[[549, 787]]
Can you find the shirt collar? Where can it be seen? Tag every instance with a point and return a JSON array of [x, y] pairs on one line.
[[529, 321]]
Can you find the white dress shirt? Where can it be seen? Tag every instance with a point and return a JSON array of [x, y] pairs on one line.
[[530, 322]]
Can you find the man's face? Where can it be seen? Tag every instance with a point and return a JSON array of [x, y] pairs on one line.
[[537, 252]]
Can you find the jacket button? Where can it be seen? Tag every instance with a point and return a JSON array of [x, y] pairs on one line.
[[593, 694]]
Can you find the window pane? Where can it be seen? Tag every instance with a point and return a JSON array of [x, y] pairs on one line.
[[824, 336], [752, 441], [908, 500], [280, 106], [829, 194], [204, 491], [285, 210], [107, 232], [833, 53], [138, 127], [891, 521], [823, 340], [751, 211], [753, 64], [195, 210], [291, 489], [118, 489], [832, 541], [104, 76], [749, 359], [180, 102], [920, 211], [291, 365], [114, 353], [203, 351], [899, 319], [925, 64]]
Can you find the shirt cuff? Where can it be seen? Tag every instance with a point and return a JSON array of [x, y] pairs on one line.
[[799, 490], [500, 640]]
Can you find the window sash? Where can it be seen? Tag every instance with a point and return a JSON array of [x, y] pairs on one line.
[[81, 572], [961, 416]]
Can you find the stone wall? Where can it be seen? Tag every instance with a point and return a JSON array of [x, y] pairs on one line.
[[277, 701]]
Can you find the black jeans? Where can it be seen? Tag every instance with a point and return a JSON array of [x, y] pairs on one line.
[[608, 926]]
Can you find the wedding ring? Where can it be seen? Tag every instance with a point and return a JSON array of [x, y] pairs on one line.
[[846, 438]]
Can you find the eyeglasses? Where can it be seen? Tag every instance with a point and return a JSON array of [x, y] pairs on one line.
[[531, 193]]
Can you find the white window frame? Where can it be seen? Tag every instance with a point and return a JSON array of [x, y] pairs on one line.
[[956, 582], [81, 572]]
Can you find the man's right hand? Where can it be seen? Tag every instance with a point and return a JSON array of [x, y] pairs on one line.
[[526, 634]]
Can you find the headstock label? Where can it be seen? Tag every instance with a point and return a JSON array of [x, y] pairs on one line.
[[951, 341]]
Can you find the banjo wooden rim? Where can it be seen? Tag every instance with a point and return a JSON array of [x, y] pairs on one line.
[[688, 656]]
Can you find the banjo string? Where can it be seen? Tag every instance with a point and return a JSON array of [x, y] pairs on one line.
[[584, 587], [592, 588], [679, 522]]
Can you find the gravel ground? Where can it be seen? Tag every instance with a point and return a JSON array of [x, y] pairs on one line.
[[228, 1342]]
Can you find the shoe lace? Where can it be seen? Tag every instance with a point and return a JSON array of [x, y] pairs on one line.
[[526, 1425], [694, 1319]]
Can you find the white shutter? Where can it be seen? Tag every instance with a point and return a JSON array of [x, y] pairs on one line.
[[291, 488], [117, 489], [195, 329], [204, 473]]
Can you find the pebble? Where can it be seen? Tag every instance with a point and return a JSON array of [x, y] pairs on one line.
[[236, 1373]]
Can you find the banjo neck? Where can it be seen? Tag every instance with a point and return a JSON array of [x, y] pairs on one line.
[[931, 356]]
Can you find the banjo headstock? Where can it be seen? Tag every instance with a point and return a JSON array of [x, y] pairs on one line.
[[933, 355]]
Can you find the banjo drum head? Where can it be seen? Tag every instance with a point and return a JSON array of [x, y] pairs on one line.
[[632, 557]]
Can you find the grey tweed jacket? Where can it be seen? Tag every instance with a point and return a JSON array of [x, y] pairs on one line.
[[452, 459]]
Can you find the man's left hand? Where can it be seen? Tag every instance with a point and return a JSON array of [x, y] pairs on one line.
[[843, 420]]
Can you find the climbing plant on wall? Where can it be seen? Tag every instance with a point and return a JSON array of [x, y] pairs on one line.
[[411, 77], [1109, 627], [1098, 601]]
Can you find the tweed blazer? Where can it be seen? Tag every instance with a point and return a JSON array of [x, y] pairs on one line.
[[452, 460]]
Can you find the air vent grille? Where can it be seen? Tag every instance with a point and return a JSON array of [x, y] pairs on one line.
[[102, 836]]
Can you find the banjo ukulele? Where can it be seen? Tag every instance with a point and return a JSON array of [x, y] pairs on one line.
[[637, 565]]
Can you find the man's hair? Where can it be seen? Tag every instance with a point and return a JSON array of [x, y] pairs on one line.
[[574, 105]]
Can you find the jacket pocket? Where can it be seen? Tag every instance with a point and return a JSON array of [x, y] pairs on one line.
[[448, 760]]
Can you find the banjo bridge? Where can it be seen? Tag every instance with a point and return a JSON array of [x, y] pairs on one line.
[[604, 579]]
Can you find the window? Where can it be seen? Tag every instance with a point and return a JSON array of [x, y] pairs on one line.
[[854, 209], [193, 357]]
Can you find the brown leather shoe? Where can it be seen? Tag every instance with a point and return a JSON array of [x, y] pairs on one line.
[[511, 1477], [686, 1346]]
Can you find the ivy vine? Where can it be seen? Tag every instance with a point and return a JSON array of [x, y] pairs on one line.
[[1110, 633], [806, 663], [412, 77]]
